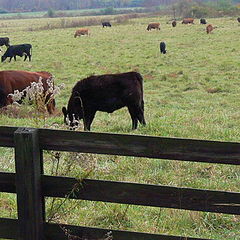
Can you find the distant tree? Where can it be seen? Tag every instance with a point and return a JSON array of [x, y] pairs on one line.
[[3, 11], [50, 13]]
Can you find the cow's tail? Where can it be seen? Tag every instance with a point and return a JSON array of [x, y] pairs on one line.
[[140, 79]]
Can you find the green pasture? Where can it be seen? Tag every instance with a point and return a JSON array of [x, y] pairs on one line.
[[191, 92]]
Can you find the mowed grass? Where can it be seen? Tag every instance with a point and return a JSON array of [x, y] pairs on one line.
[[191, 92]]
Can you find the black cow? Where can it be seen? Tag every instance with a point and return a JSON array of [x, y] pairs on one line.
[[106, 24], [4, 41], [18, 50], [174, 23], [163, 47], [106, 93], [238, 19], [203, 21]]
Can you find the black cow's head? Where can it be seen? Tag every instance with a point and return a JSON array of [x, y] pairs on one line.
[[74, 112], [3, 58]]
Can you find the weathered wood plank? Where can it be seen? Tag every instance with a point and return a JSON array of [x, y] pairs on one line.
[[142, 194], [6, 136], [54, 231], [172, 197], [7, 182], [28, 184], [141, 146], [8, 228], [133, 145]]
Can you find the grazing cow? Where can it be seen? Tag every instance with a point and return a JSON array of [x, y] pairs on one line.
[[153, 26], [238, 19], [174, 23], [19, 80], [18, 50], [188, 20], [82, 31], [4, 41], [106, 93], [163, 48], [106, 24], [209, 28], [203, 21]]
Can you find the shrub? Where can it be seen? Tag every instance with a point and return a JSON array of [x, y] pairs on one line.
[[198, 12], [2, 11], [108, 11], [50, 13]]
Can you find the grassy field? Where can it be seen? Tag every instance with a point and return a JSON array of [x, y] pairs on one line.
[[191, 92]]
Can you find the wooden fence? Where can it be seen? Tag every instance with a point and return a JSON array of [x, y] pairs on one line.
[[31, 185]]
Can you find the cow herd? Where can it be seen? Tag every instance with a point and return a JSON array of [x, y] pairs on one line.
[[15, 50], [106, 93]]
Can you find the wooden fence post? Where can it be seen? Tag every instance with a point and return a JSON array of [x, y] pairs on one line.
[[28, 184]]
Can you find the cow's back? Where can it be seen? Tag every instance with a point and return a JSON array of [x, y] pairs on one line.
[[187, 20], [110, 86], [153, 25], [19, 80]]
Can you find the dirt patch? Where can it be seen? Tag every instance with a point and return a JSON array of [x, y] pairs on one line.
[[213, 90]]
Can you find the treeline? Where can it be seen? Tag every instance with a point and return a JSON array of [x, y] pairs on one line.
[[39, 5]]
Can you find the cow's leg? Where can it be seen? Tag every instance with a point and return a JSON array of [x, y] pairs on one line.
[[87, 120], [141, 114], [10, 59], [15, 58], [50, 104], [25, 57], [29, 57], [133, 114]]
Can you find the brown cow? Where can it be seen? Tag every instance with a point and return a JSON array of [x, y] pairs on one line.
[[82, 31], [188, 20], [174, 23], [153, 26], [19, 80], [209, 28], [106, 93]]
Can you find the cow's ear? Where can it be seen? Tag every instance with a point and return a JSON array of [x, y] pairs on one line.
[[64, 110], [78, 99]]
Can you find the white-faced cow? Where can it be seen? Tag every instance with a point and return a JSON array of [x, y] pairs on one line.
[[153, 26], [106, 93], [82, 31], [106, 24], [188, 21], [203, 21]]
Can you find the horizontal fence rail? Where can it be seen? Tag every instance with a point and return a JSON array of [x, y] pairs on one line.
[[56, 231], [135, 194], [133, 145], [31, 188]]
